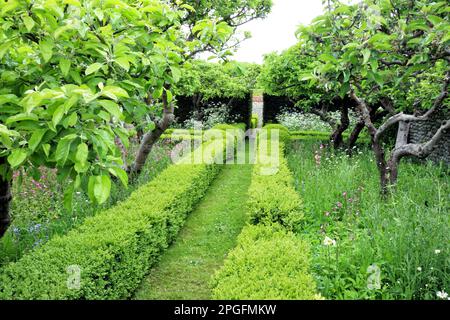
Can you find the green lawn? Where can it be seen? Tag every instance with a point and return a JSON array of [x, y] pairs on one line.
[[185, 270]]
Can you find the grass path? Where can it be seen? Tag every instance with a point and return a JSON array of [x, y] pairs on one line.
[[185, 270]]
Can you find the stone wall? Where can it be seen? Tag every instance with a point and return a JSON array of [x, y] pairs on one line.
[[421, 131]]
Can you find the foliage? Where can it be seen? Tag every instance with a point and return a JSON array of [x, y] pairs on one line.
[[284, 75], [224, 12], [38, 211], [296, 121], [115, 248], [74, 72], [272, 198], [212, 114], [406, 237], [209, 233], [215, 80], [259, 268], [283, 132], [381, 48]]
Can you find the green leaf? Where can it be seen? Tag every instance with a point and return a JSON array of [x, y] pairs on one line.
[[17, 157], [71, 120], [366, 54], [93, 68], [22, 117], [157, 93], [112, 108], [68, 197], [81, 156], [64, 65], [57, 115], [121, 174], [169, 96], [28, 22], [46, 47], [114, 92], [46, 148], [435, 20], [36, 139], [176, 73], [63, 149], [123, 63], [99, 188]]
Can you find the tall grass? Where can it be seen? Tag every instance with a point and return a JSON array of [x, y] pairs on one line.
[[406, 238]]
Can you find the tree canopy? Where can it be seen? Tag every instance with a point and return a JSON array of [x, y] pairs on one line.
[[217, 80], [387, 55]]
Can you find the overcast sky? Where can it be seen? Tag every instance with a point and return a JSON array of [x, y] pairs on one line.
[[277, 31]]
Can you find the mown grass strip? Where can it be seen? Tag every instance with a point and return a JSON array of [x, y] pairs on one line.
[[185, 270]]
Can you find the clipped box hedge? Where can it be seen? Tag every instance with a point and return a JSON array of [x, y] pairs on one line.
[[270, 261], [115, 249], [272, 198], [267, 264]]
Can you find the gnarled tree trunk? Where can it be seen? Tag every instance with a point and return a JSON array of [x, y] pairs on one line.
[[5, 201], [388, 169], [336, 137], [354, 136], [150, 138]]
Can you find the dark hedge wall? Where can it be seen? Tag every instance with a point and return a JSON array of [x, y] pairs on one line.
[[241, 108], [273, 105]]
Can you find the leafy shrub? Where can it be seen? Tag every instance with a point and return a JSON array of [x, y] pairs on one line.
[[38, 205], [213, 114], [283, 132], [115, 248], [268, 263], [241, 126], [296, 121], [272, 198]]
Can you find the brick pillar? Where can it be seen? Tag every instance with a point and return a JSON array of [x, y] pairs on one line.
[[258, 106]]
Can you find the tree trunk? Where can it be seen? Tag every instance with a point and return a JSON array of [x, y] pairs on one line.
[[150, 138], [5, 201], [354, 136], [336, 137], [377, 148], [402, 134], [123, 151]]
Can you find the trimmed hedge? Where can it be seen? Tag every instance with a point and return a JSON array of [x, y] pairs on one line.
[[270, 261], [267, 264], [272, 197], [114, 249], [283, 132]]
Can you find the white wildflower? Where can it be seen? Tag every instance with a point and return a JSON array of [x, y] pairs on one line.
[[442, 294], [419, 268], [329, 242], [437, 251]]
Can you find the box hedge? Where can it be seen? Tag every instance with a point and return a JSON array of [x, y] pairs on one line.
[[270, 261], [115, 249], [272, 197], [267, 264]]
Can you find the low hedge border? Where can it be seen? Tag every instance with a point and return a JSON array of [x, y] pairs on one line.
[[114, 249], [267, 264], [269, 261]]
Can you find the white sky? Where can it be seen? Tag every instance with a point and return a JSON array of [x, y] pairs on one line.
[[277, 31]]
